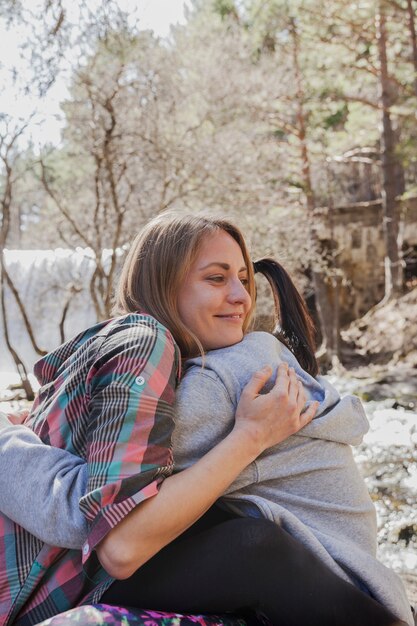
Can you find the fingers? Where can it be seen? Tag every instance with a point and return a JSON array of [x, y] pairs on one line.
[[288, 388], [309, 413], [282, 381], [288, 385], [257, 382], [302, 396], [294, 388]]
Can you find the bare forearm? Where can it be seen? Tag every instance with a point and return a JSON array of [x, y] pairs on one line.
[[182, 499]]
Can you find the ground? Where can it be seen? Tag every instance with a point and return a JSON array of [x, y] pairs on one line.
[[386, 335], [381, 353]]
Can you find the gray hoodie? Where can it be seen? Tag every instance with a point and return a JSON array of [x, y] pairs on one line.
[[309, 483]]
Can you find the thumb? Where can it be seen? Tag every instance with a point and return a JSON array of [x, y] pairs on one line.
[[257, 382]]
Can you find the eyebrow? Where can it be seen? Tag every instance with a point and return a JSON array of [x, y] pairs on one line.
[[224, 266]]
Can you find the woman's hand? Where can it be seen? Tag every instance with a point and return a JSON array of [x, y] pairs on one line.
[[270, 418], [18, 417]]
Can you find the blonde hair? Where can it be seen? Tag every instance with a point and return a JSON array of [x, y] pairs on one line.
[[157, 264]]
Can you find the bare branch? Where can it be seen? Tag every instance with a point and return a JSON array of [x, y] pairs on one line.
[[64, 212], [22, 309]]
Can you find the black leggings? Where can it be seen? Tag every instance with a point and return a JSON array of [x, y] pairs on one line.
[[226, 563]]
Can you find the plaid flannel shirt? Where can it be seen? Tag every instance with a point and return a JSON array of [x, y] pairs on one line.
[[107, 396]]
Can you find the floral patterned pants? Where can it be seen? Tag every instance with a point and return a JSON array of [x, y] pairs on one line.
[[104, 614]]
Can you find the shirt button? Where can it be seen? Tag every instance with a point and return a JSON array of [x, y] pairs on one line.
[[139, 380], [86, 549]]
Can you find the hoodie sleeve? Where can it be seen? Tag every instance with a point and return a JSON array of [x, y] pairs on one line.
[[46, 502], [131, 390]]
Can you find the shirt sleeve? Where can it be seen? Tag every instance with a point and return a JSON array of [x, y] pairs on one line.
[[131, 389], [47, 500]]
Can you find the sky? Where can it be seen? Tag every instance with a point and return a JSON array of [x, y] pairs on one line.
[[156, 15]]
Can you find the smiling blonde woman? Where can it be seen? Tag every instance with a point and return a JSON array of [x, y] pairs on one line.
[[107, 396]]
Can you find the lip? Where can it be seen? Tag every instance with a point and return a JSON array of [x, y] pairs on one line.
[[232, 317]]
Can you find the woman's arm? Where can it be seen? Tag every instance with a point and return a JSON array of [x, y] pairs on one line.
[[49, 510], [184, 497], [50, 484]]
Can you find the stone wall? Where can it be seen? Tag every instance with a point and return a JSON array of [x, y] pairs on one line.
[[352, 235]]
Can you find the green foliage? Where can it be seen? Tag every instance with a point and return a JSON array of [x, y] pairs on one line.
[[279, 133], [224, 8], [337, 120]]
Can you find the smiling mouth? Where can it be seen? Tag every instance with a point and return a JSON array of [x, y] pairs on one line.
[[232, 316]]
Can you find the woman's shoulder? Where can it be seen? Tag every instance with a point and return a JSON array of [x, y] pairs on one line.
[[140, 333], [132, 341], [260, 336], [138, 325], [134, 335], [257, 341], [254, 351]]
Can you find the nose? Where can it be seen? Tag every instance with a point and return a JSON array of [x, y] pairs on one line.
[[238, 293]]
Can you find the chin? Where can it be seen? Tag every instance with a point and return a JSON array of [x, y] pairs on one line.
[[226, 342]]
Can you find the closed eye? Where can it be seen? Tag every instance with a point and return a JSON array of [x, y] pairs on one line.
[[216, 279], [220, 279]]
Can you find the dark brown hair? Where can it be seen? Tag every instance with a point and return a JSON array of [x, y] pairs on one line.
[[295, 327]]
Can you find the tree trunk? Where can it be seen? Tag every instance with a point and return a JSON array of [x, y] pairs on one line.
[[412, 29], [6, 143], [393, 263], [73, 290], [327, 308], [20, 366], [40, 351]]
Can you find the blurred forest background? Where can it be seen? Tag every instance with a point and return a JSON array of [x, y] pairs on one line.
[[298, 118]]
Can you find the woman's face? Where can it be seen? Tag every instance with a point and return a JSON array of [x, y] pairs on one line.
[[213, 302]]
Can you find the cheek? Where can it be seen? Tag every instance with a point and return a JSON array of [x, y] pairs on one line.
[[197, 303], [191, 305]]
